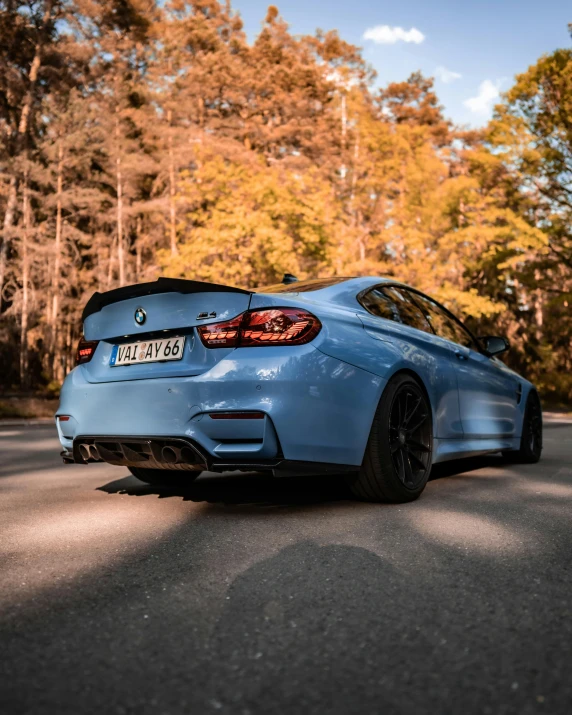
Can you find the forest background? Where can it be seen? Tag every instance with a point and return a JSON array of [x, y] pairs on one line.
[[142, 138]]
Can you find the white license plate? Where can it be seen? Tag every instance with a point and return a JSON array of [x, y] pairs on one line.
[[148, 351]]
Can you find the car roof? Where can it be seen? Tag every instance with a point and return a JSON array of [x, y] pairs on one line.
[[341, 290], [331, 284]]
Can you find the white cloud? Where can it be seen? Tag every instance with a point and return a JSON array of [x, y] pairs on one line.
[[489, 92], [342, 80], [446, 76], [386, 35]]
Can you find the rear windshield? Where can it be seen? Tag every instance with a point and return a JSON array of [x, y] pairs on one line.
[[301, 286]]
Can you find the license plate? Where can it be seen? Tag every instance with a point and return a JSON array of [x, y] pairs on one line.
[[149, 351]]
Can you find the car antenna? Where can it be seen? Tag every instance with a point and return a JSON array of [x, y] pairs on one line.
[[289, 278]]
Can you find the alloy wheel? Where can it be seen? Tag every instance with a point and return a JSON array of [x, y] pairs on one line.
[[534, 418], [410, 435]]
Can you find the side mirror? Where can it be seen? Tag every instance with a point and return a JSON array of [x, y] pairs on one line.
[[494, 345]]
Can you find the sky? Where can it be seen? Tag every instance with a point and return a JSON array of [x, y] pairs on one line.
[[473, 49]]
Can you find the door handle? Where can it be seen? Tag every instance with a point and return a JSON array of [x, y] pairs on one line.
[[461, 355]]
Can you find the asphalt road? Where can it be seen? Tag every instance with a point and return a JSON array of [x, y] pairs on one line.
[[251, 595]]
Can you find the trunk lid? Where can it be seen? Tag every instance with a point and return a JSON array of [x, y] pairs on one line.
[[165, 308]]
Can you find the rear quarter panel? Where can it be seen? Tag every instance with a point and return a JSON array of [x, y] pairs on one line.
[[383, 348]]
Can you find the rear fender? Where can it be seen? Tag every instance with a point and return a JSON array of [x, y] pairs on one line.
[[384, 349]]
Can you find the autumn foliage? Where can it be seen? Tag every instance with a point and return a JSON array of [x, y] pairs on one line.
[[143, 139]]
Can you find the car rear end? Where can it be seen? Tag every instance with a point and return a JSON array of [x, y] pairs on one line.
[[191, 376]]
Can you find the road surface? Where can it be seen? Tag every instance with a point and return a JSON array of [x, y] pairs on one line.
[[250, 595]]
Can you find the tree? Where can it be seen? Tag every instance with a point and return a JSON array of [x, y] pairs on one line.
[[415, 104], [118, 33], [251, 224], [34, 59], [195, 41], [531, 135], [72, 200], [532, 130]]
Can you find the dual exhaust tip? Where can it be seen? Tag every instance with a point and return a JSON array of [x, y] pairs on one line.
[[185, 455], [89, 451]]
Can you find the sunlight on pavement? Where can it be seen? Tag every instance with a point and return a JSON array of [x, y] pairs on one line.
[[32, 445], [73, 534], [550, 489], [471, 531]]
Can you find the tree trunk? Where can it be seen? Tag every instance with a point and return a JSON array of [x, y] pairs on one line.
[[67, 356], [538, 308], [110, 265], [8, 223], [343, 169], [353, 212], [138, 249], [54, 317], [25, 295], [119, 184], [172, 188]]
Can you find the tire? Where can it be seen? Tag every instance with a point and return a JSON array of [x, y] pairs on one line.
[[531, 440], [398, 455], [169, 479]]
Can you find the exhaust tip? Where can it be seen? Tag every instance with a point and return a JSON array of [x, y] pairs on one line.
[[84, 452], [169, 455], [94, 452]]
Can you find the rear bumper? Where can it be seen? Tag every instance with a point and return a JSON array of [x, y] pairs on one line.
[[316, 408], [181, 455]]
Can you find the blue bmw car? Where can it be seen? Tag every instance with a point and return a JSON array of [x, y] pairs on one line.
[[361, 376]]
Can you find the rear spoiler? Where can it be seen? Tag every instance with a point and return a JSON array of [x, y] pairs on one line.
[[161, 285]]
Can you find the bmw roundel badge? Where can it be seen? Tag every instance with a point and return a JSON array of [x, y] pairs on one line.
[[140, 316]]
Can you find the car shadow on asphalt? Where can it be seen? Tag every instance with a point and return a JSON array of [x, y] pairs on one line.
[[469, 464], [242, 489], [257, 489]]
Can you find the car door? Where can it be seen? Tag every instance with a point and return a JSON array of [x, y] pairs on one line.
[[397, 321], [488, 391]]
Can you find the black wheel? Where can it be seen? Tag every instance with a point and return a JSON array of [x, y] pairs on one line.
[[164, 477], [531, 439], [398, 455]]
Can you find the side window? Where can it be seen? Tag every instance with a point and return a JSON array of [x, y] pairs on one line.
[[442, 323], [377, 303], [409, 312]]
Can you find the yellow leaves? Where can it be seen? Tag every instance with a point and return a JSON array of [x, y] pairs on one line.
[[249, 225], [468, 302], [494, 231]]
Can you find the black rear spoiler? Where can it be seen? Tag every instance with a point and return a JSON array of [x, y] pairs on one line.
[[161, 285]]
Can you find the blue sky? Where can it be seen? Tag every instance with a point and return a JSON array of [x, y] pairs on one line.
[[486, 42]]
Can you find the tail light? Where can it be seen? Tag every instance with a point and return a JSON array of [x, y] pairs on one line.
[[268, 326], [278, 326], [85, 350], [221, 335]]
